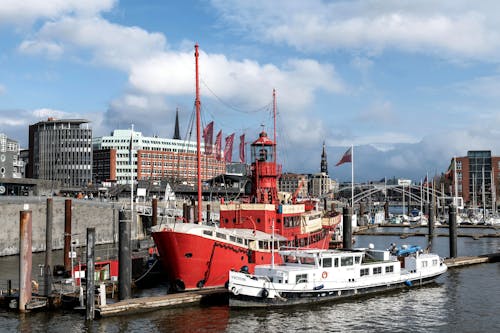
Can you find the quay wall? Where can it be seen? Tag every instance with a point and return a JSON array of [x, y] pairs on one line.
[[103, 216]]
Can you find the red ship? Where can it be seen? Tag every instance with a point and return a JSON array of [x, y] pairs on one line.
[[197, 255]]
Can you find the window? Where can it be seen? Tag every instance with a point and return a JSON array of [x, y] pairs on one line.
[[301, 278], [346, 261], [424, 263], [220, 235], [434, 262], [207, 232], [377, 270], [389, 269], [364, 271], [327, 262], [357, 260]]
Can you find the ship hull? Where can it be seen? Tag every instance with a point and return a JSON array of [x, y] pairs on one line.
[[195, 262]]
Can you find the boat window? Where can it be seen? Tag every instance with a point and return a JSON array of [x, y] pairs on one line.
[[219, 235], [336, 262], [232, 238], [346, 261], [278, 220], [258, 220], [327, 262], [239, 240], [301, 278], [434, 262], [207, 232], [424, 263], [377, 270], [307, 261], [389, 269], [357, 259], [364, 271]]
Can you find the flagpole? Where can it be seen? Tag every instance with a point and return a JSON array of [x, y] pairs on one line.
[[352, 178], [132, 175]]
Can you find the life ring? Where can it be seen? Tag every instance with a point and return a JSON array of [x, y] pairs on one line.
[[265, 293], [235, 290], [324, 275]]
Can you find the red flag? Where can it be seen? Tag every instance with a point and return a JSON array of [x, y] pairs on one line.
[[346, 158], [218, 144], [208, 133], [242, 148], [228, 149]]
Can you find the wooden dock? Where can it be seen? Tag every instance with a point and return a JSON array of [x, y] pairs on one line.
[[143, 304], [466, 261]]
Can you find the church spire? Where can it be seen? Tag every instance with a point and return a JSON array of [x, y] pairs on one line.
[[177, 135], [324, 162]]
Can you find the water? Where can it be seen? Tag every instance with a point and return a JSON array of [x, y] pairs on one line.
[[462, 300]]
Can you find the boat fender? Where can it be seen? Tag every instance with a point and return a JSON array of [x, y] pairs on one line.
[[235, 290], [324, 275], [408, 283], [265, 293]]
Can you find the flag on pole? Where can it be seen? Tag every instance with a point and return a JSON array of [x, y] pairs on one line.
[[346, 158], [208, 133], [218, 145], [228, 149], [242, 148]]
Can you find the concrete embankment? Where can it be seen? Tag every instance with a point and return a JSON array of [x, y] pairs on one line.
[[103, 216]]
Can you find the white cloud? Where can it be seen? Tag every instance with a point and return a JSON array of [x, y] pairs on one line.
[[27, 11], [44, 113], [381, 112], [445, 29]]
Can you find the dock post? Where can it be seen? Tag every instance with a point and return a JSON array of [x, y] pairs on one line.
[[67, 234], [9, 287], [430, 224], [209, 210], [154, 212], [125, 261], [361, 209], [386, 210], [325, 205], [90, 274], [185, 212], [25, 258], [347, 228], [452, 222], [48, 247]]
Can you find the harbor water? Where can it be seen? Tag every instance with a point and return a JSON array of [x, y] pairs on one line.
[[464, 299]]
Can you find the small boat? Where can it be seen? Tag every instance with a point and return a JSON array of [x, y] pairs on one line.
[[315, 275]]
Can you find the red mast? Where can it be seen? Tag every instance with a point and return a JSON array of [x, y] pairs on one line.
[[274, 118], [198, 149]]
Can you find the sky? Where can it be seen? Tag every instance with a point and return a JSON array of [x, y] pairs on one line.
[[409, 84]]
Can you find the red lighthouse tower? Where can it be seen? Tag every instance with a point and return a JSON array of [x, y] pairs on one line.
[[265, 172]]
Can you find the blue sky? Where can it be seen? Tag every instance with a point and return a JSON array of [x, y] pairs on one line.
[[409, 83]]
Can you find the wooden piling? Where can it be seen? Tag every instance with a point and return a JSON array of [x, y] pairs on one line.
[[90, 308], [48, 247], [67, 234], [154, 212], [25, 259]]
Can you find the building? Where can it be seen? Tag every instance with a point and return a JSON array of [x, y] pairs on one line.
[[11, 166], [320, 184], [153, 158], [291, 182], [61, 150], [477, 177]]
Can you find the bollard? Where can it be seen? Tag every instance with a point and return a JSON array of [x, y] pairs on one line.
[[25, 259], [452, 222], [67, 234], [154, 212], [124, 257], [386, 210], [90, 274], [48, 247], [347, 228]]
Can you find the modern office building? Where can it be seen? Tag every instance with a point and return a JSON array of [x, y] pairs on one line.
[[11, 166], [153, 158], [477, 177], [61, 150]]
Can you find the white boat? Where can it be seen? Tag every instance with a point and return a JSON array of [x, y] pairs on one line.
[[310, 276]]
